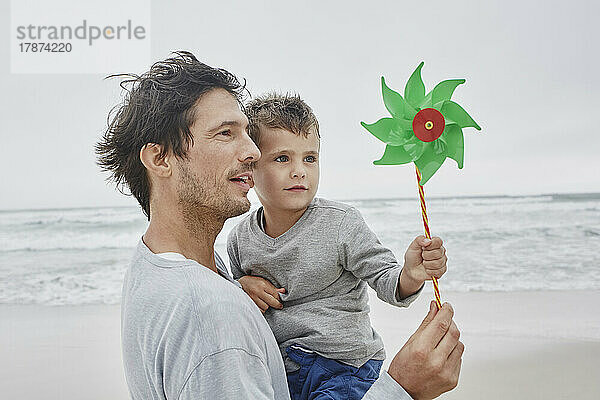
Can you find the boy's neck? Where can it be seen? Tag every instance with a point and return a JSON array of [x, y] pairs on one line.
[[278, 222]]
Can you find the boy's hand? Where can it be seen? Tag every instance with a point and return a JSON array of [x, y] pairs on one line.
[[262, 292], [424, 259]]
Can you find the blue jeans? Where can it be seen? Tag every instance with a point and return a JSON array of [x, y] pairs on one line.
[[321, 378]]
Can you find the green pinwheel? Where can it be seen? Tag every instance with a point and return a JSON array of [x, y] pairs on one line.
[[424, 128]]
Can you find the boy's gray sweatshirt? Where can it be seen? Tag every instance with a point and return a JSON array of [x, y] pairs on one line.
[[324, 262]]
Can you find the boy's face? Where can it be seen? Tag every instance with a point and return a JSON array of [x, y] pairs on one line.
[[286, 177]]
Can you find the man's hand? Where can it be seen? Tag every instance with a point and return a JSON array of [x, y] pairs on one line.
[[429, 363], [424, 259], [262, 292]]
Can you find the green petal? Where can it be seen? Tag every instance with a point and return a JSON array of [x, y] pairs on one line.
[[400, 136], [394, 155], [414, 92], [439, 145], [429, 163], [403, 134], [443, 90], [405, 124], [438, 106], [414, 146], [456, 145], [395, 104], [391, 131], [381, 129], [427, 103], [454, 112]]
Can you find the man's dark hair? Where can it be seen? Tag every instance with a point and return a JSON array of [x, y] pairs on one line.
[[158, 108], [285, 111]]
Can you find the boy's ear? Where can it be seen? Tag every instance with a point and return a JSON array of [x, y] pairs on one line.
[[151, 157]]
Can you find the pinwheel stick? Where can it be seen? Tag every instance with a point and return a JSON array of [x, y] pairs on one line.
[[436, 289]]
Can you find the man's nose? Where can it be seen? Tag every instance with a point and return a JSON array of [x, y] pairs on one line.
[[250, 152]]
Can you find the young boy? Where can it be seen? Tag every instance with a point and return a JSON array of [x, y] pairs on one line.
[[316, 256]]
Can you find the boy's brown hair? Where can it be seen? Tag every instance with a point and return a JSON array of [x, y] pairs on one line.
[[284, 111]]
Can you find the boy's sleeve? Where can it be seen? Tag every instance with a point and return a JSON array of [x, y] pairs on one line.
[[234, 255], [362, 254]]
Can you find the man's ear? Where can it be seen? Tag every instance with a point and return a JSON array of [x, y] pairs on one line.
[[150, 155]]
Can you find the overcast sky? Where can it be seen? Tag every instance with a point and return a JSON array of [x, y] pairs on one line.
[[532, 84]]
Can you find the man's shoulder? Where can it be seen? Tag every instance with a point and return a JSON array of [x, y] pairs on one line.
[[193, 296], [225, 316], [152, 279], [183, 315]]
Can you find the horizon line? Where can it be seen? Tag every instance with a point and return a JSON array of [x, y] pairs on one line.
[[483, 196]]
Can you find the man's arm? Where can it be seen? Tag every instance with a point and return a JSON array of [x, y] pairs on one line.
[[428, 364], [361, 253], [229, 374], [384, 388]]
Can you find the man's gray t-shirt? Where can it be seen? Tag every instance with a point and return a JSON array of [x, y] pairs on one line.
[[324, 261], [189, 333]]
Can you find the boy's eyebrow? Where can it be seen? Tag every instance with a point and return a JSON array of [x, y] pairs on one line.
[[284, 150], [281, 150]]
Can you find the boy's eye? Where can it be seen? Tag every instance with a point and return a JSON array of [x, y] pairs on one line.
[[310, 159], [282, 158]]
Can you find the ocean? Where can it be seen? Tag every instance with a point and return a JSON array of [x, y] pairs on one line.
[[495, 243]]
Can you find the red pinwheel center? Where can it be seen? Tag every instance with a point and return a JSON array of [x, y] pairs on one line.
[[428, 124]]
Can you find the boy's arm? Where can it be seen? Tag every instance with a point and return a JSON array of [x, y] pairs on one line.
[[261, 291], [361, 253]]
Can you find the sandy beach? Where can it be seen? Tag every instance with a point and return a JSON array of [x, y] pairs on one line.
[[519, 345]]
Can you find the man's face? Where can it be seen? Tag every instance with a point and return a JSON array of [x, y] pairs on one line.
[[217, 175], [287, 175]]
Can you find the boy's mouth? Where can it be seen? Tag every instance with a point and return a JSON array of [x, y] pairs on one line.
[[297, 188]]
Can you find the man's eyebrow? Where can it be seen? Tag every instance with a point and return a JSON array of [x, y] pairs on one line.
[[225, 124]]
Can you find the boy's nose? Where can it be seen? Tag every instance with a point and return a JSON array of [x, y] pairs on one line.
[[298, 172], [299, 175]]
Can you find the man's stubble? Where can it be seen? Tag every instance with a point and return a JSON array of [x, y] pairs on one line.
[[206, 201]]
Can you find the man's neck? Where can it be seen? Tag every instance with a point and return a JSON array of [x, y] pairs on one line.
[[194, 240], [277, 222]]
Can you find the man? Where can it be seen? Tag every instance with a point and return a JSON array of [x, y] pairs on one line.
[[179, 143]]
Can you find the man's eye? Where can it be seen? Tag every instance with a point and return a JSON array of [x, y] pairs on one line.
[[310, 159], [282, 159], [225, 133]]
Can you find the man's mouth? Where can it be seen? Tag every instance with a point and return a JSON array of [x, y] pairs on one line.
[[244, 180]]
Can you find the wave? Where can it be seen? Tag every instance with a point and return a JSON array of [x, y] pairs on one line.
[[495, 243]]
